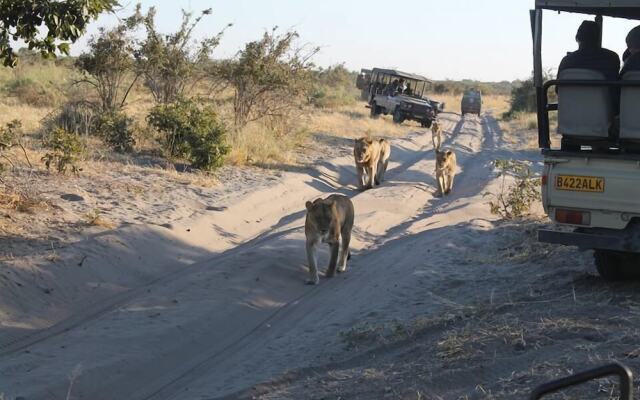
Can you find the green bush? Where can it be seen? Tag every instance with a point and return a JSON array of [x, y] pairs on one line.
[[333, 87], [192, 131], [65, 149], [117, 129], [11, 133], [523, 97], [514, 201]]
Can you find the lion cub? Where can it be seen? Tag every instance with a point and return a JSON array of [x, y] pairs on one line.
[[328, 220], [446, 166], [436, 135], [372, 159]]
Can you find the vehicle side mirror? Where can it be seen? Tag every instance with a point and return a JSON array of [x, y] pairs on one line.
[[622, 372]]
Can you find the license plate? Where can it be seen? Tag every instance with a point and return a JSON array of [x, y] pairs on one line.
[[580, 183]]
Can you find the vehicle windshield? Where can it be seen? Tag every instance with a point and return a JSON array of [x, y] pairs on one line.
[[472, 93], [415, 88]]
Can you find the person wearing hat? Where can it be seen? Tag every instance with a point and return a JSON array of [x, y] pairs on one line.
[[590, 54], [632, 61]]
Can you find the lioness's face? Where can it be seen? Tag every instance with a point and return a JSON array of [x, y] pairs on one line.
[[320, 214], [442, 157], [362, 150]]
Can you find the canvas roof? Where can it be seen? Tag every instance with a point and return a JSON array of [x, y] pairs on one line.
[[612, 8], [400, 74]]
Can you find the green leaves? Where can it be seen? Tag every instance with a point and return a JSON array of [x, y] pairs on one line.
[[64, 20], [514, 200], [269, 77], [65, 149], [192, 131], [170, 63]]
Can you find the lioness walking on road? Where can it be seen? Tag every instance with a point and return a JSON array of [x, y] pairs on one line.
[[436, 135], [446, 166], [328, 220], [372, 159]]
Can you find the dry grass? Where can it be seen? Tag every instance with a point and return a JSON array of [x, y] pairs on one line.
[[354, 121], [521, 130], [28, 115], [95, 218], [256, 144]]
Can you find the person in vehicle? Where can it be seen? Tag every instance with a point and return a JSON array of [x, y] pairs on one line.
[[402, 86], [392, 89], [590, 54], [632, 61]]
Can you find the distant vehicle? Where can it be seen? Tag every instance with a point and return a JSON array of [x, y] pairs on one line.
[[362, 82], [471, 102], [402, 95], [592, 182]]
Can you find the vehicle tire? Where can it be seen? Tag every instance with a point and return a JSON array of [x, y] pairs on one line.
[[375, 111], [398, 118], [426, 123], [616, 265]]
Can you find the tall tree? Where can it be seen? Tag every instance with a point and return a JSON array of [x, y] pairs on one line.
[[269, 77], [108, 64], [45, 25], [170, 63]]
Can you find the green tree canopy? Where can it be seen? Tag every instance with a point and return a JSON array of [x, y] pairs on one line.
[[45, 25]]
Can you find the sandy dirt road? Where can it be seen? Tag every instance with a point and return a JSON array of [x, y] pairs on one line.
[[245, 316]]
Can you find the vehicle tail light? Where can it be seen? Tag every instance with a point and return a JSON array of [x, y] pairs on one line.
[[544, 180], [573, 217]]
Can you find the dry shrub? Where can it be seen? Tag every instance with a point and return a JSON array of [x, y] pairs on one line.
[[21, 199], [95, 218], [30, 92], [77, 116]]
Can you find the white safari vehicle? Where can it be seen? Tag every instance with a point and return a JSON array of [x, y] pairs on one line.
[[592, 182]]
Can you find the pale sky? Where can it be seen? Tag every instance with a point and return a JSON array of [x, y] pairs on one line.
[[487, 40]]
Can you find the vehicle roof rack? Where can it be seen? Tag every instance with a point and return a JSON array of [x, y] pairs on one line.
[[629, 9], [401, 74]]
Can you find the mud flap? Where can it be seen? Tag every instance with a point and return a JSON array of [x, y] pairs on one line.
[[585, 241]]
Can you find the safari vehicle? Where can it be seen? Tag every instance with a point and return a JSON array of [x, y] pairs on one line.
[[402, 95], [471, 102], [591, 184]]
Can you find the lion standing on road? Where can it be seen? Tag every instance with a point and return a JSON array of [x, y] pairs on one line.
[[436, 135], [446, 166], [328, 220], [372, 159]]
